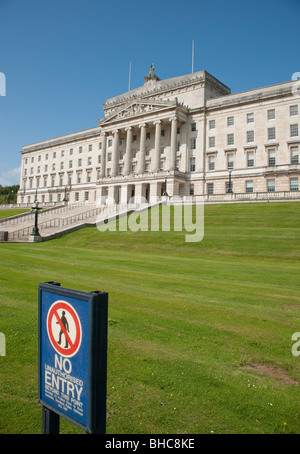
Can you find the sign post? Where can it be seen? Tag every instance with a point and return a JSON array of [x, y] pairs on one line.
[[72, 357]]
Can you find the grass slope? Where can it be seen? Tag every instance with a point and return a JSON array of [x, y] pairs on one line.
[[199, 333]]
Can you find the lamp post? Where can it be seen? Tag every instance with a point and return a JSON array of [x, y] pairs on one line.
[[35, 231], [229, 190]]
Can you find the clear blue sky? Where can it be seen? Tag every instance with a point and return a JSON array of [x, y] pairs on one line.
[[63, 58]]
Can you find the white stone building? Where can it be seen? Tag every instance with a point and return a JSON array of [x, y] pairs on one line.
[[187, 136]]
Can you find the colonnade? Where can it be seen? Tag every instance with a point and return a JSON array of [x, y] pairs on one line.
[[142, 151]]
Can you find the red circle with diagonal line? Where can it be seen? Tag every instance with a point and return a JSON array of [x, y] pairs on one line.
[[64, 328]]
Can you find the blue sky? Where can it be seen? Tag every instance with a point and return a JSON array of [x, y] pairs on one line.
[[63, 58]]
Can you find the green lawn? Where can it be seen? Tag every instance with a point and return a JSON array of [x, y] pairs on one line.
[[8, 212], [199, 335]]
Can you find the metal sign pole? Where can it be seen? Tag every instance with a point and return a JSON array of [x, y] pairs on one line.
[[50, 422]]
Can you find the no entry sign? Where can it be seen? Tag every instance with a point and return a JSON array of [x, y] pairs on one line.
[[73, 355], [63, 324]]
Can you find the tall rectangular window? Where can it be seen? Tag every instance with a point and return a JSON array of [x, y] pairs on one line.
[[250, 117], [212, 142], [271, 133], [294, 110], [271, 185], [230, 139], [210, 188], [295, 155], [250, 136], [249, 186], [211, 163], [294, 130], [294, 184], [250, 159], [271, 157], [192, 164], [230, 121], [230, 161], [271, 114]]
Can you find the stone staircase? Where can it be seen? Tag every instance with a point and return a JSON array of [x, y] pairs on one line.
[[58, 221]]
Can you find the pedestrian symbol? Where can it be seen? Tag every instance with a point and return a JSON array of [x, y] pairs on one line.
[[64, 328]]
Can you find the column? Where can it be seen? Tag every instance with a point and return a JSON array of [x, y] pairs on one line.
[[115, 157], [142, 154], [172, 162], [127, 166], [103, 155], [156, 160]]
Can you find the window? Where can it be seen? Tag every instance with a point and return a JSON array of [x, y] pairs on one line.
[[61, 180], [211, 163], [78, 178], [249, 186], [99, 159], [62, 153], [250, 159], [161, 165], [120, 170], [54, 155], [271, 133], [147, 167], [294, 184], [162, 149], [147, 151], [294, 130], [293, 110], [90, 161], [193, 144], [178, 146], [147, 135], [271, 185], [70, 164], [109, 156], [162, 133], [230, 161], [53, 167], [250, 117], [230, 121], [210, 188], [193, 127], [90, 147], [121, 155], [212, 124], [71, 151], [80, 150], [295, 155], [192, 164], [109, 142], [271, 114], [61, 166], [212, 142], [134, 153], [76, 196], [79, 162], [45, 182], [88, 177], [230, 139], [271, 157], [177, 164], [250, 136]]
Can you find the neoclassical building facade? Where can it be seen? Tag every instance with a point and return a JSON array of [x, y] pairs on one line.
[[185, 136]]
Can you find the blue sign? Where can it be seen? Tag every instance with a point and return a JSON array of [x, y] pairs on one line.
[[72, 355]]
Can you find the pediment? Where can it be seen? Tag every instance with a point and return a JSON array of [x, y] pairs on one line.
[[136, 108]]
